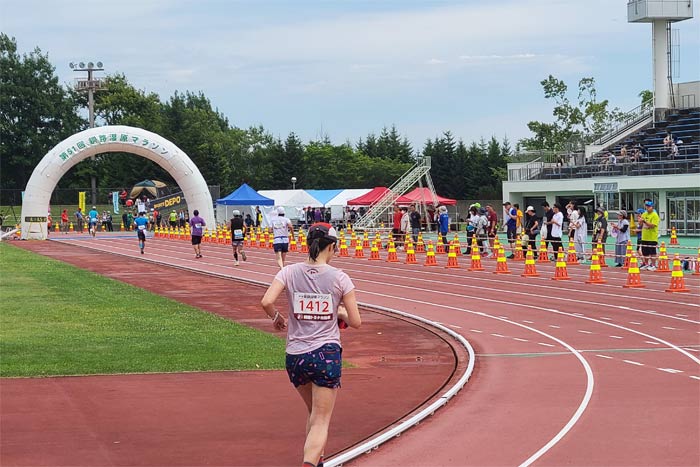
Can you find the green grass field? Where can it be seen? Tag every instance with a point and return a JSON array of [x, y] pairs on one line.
[[57, 319]]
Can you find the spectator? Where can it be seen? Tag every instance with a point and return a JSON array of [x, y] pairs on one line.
[[623, 153], [600, 229], [621, 232], [64, 221], [405, 225], [580, 234], [649, 222], [443, 223], [668, 140], [472, 221], [532, 228], [258, 216], [555, 229], [483, 227], [396, 225], [493, 225], [248, 221], [414, 217], [546, 220], [510, 216]]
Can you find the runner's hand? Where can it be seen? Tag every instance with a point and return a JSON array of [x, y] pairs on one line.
[[280, 323]]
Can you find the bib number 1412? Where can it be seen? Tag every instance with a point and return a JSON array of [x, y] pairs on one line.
[[313, 307]]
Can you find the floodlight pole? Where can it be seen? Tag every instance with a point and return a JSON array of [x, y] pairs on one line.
[[91, 85]]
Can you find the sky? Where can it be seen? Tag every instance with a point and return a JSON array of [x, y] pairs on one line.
[[344, 69]]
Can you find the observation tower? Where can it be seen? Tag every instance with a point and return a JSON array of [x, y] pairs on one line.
[[661, 14]]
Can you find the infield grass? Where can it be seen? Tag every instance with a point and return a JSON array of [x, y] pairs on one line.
[[57, 319]]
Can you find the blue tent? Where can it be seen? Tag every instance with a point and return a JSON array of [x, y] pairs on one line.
[[245, 196], [324, 195]]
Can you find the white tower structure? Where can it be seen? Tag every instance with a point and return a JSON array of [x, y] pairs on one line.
[[660, 13]]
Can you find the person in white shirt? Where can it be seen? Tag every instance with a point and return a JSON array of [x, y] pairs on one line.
[[555, 225], [282, 231]]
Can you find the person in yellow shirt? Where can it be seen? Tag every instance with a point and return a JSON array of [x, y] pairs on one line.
[[518, 219], [649, 223]]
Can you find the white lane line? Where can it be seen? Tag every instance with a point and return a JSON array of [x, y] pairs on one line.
[[475, 330], [669, 328], [528, 322], [692, 350], [578, 314], [670, 370], [545, 344], [454, 326], [652, 342], [554, 326], [520, 339], [497, 335], [606, 318], [604, 356], [634, 322], [503, 317], [696, 377], [616, 337], [682, 316], [585, 332], [632, 362]]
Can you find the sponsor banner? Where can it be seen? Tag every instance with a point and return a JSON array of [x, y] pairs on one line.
[[170, 202]]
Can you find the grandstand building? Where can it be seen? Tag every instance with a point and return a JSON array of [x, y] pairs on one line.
[[654, 153]]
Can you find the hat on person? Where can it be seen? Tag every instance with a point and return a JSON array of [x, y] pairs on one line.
[[442, 209], [94, 207], [475, 205], [623, 213], [322, 230], [280, 211], [530, 208], [648, 203], [482, 210], [236, 212], [640, 211], [599, 209]]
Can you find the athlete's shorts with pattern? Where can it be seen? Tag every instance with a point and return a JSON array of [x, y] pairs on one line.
[[321, 366]]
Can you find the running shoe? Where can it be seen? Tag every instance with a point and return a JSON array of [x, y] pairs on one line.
[[651, 268], [245, 258], [644, 267], [141, 250], [235, 263]]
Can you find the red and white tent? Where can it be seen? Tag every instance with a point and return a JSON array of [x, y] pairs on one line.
[[373, 196], [423, 196]]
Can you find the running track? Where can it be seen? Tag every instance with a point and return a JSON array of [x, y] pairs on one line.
[[566, 373]]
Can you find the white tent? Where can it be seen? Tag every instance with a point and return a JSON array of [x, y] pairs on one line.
[[340, 201], [293, 202]]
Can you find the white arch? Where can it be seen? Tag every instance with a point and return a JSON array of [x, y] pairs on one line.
[[116, 138]]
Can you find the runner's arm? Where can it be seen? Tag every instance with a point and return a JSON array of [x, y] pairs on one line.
[[268, 304], [353, 313]]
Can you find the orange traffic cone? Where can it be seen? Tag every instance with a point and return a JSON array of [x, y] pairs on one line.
[[530, 269], [596, 275], [374, 253], [628, 256], [420, 244], [542, 253], [344, 249], [634, 279], [677, 281], [391, 254], [292, 245], [662, 264], [365, 240], [452, 257], [410, 254], [697, 265], [601, 256], [440, 250], [458, 247], [496, 248], [571, 259], [519, 253], [501, 263], [430, 255], [359, 251], [674, 237], [353, 240], [560, 272], [476, 257]]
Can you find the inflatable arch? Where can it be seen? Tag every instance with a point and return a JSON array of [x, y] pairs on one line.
[[103, 139]]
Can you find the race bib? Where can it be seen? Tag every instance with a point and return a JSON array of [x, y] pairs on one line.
[[94, 219], [198, 225], [142, 227], [238, 233], [313, 307]]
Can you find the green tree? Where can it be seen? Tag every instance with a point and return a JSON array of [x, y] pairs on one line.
[[574, 123], [36, 112]]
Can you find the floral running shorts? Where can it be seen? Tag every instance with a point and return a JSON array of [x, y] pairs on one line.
[[321, 366]]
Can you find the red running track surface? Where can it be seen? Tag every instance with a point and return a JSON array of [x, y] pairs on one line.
[[566, 373]]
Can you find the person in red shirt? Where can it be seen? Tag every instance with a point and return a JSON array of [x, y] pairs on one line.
[[493, 221], [396, 228], [64, 221]]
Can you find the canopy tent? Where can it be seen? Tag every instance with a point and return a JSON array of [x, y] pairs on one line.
[[424, 196], [150, 186], [293, 202], [342, 198], [244, 195], [373, 195], [324, 196], [244, 198]]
